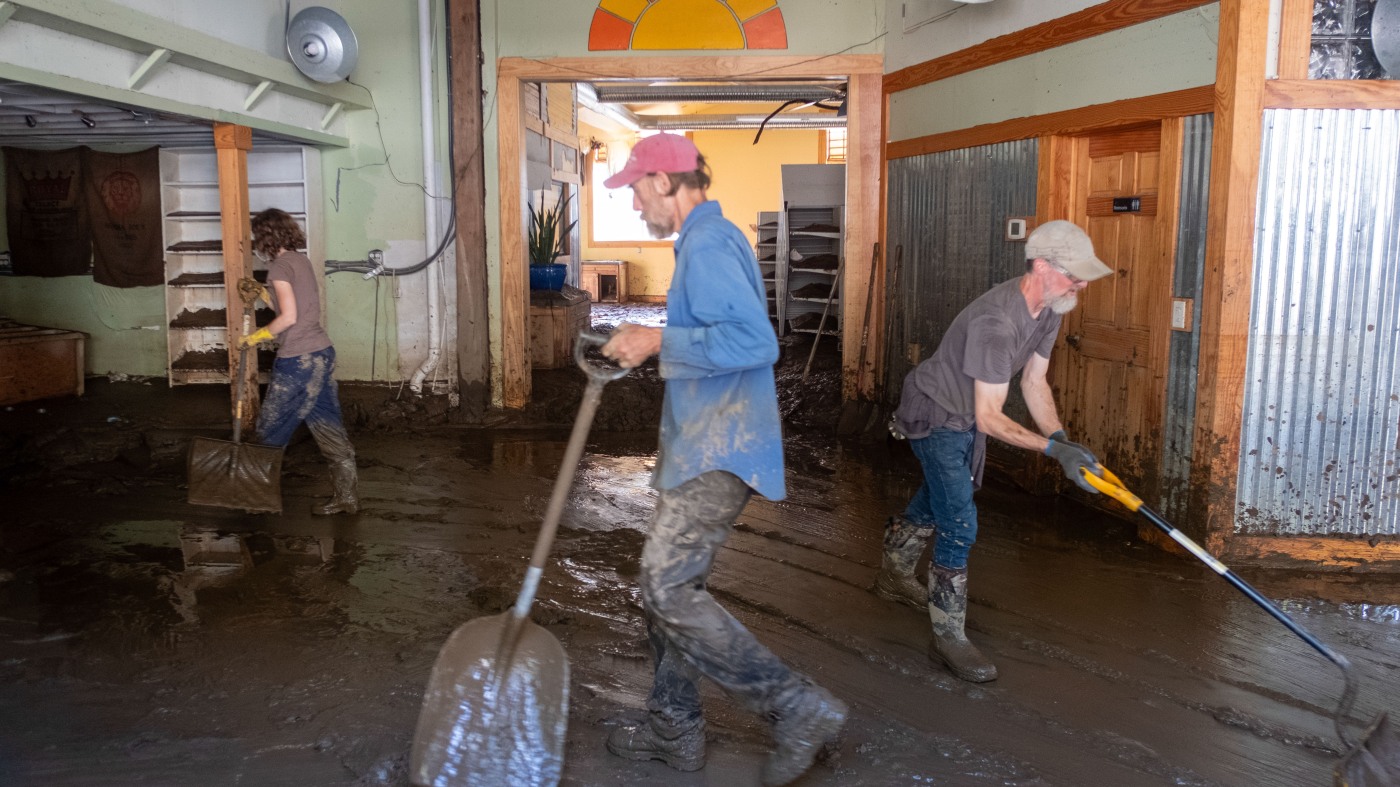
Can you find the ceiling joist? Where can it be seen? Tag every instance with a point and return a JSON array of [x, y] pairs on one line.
[[147, 68]]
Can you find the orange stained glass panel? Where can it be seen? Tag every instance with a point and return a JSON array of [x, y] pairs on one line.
[[748, 9], [608, 32], [766, 31]]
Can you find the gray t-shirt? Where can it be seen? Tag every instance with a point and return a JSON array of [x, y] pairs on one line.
[[305, 335], [990, 340]]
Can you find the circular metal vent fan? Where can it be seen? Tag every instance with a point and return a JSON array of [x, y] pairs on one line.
[[321, 44], [1385, 35]]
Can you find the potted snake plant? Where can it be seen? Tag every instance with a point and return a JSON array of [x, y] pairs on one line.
[[547, 233]]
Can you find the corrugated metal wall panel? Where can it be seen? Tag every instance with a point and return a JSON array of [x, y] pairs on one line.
[[1193, 213], [947, 224], [1318, 448]]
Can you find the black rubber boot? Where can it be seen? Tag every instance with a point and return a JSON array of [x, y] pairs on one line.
[[904, 545], [335, 447], [680, 748], [810, 727], [344, 480], [947, 609]]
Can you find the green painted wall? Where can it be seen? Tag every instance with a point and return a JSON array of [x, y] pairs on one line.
[[1167, 54], [125, 326]]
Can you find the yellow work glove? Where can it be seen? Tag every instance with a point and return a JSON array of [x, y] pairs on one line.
[[251, 291], [255, 338]]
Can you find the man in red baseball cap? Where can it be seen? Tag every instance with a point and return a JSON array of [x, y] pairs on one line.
[[721, 441]]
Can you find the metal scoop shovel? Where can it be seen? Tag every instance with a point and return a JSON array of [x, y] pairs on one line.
[[1371, 761], [497, 703]]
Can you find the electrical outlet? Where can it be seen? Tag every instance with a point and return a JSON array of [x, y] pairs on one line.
[[1181, 314]]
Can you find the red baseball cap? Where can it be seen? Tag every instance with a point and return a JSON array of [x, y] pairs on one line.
[[656, 153]]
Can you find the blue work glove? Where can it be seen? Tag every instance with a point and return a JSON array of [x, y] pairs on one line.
[[1072, 457]]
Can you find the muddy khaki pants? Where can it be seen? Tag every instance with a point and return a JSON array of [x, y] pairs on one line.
[[691, 634]]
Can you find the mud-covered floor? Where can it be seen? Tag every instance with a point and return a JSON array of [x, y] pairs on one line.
[[146, 641]]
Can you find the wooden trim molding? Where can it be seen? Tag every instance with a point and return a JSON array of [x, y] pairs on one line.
[[1093, 21], [863, 180], [1295, 39], [1180, 103], [1311, 552], [1229, 269], [1331, 94]]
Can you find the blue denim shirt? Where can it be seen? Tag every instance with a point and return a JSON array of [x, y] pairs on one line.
[[717, 353]]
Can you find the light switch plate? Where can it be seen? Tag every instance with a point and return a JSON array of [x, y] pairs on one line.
[[1181, 314], [1015, 229]]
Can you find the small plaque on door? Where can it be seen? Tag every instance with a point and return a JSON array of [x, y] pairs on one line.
[[1127, 204]]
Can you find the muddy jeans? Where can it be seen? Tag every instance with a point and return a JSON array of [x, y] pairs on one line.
[[691, 634], [944, 499], [303, 388]]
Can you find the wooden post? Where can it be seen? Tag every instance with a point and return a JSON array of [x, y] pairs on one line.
[[863, 149], [1225, 293], [232, 143], [515, 290], [469, 185]]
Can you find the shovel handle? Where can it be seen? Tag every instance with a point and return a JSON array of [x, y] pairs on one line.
[[600, 372], [598, 376], [242, 385]]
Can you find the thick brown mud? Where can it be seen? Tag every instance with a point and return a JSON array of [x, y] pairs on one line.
[[147, 641]]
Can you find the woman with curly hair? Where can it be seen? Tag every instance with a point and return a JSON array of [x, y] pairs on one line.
[[303, 387]]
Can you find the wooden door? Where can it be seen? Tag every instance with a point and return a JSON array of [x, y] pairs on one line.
[[1114, 347]]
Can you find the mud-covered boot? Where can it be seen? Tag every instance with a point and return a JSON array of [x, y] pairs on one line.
[[811, 725], [947, 609], [344, 479], [682, 748], [904, 545]]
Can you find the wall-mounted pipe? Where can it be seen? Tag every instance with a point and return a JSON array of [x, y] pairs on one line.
[[430, 186]]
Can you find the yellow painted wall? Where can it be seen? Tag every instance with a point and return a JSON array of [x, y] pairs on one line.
[[747, 178]]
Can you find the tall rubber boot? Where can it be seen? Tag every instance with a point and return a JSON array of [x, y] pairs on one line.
[[335, 446], [344, 479], [947, 609], [904, 545]]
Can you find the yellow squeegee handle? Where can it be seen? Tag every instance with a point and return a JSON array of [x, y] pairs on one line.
[[1111, 486]]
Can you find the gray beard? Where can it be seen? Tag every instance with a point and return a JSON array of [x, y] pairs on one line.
[[659, 231], [1064, 304]]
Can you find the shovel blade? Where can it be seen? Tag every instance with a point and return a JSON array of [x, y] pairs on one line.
[[1375, 759], [235, 475], [479, 726]]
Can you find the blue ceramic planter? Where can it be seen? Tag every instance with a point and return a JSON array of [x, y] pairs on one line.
[[548, 277]]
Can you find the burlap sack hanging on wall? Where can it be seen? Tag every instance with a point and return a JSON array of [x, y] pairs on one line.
[[44, 209], [123, 204]]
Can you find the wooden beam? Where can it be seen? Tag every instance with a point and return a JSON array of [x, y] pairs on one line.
[[1180, 103], [1093, 21], [1332, 94], [469, 190], [634, 66], [1354, 555], [257, 94], [862, 184], [514, 283], [1295, 39], [327, 118], [7, 10], [1225, 294], [231, 144], [147, 69]]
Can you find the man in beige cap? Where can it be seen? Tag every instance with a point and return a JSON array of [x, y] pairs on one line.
[[951, 402]]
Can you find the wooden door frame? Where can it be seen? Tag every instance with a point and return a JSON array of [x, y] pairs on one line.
[[863, 177]]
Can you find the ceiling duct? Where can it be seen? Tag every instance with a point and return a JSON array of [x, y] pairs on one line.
[[697, 122], [643, 94]]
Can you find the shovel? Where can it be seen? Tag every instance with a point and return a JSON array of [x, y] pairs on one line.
[[497, 703], [1373, 760], [236, 474]]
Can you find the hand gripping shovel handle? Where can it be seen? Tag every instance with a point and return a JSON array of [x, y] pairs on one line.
[[598, 376], [1109, 484]]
